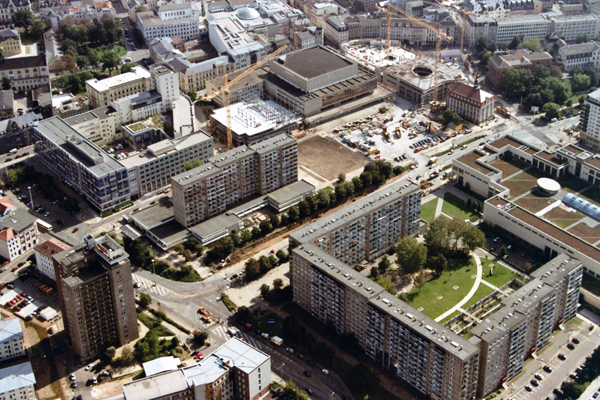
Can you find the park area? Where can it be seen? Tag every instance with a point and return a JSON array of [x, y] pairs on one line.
[[452, 207]]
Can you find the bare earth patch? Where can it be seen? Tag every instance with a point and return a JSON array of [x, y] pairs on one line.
[[328, 158]]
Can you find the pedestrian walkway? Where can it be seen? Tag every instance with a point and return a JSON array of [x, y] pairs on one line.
[[471, 293], [496, 288], [149, 285]]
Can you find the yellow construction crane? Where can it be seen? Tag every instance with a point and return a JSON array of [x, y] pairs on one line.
[[391, 9], [227, 84]]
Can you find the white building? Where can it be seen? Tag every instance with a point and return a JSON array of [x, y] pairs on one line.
[[229, 36], [17, 382], [579, 55], [173, 19], [44, 253], [105, 91], [18, 233], [590, 121], [530, 26], [11, 339], [571, 27], [99, 125], [166, 82]]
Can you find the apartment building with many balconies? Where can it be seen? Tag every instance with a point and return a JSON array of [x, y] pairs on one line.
[[235, 175], [95, 290]]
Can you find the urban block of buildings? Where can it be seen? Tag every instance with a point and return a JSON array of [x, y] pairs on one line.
[[18, 230], [423, 353], [44, 253], [9, 7], [103, 92], [579, 55], [17, 382], [235, 370], [517, 59], [95, 290], [11, 339], [99, 125]]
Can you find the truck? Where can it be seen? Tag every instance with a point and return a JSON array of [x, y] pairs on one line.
[[277, 340], [203, 311], [432, 160], [374, 151]]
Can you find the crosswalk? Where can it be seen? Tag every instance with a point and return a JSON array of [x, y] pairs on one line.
[[221, 331], [149, 285]]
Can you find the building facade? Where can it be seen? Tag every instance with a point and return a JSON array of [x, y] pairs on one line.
[[17, 382], [579, 55], [44, 253], [471, 102], [10, 42], [229, 177], [25, 73], [590, 121], [11, 339], [172, 20], [18, 233], [103, 92], [95, 290], [9, 7]]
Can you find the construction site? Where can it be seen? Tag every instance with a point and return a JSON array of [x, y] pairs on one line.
[[372, 53]]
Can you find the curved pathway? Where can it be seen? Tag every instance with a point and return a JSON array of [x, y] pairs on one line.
[[469, 295]]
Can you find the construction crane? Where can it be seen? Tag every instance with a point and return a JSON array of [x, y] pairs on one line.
[[228, 84], [391, 9]]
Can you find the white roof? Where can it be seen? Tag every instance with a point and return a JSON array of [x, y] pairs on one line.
[[58, 101], [28, 309], [549, 185], [157, 386], [48, 313], [105, 84], [16, 377], [243, 356], [10, 329], [8, 296], [160, 365]]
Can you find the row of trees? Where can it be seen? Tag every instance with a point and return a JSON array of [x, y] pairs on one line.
[[374, 174]]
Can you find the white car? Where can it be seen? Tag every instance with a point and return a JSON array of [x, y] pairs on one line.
[[72, 377], [326, 372], [289, 349], [89, 367]]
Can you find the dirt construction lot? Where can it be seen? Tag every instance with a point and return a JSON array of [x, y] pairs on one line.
[[328, 158]]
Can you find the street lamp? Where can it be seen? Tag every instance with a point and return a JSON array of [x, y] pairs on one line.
[[30, 196], [153, 273]]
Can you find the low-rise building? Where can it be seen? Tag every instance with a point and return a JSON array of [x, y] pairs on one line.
[[104, 92], [25, 73], [10, 42], [9, 7], [18, 233], [17, 382], [11, 339], [471, 102], [44, 253], [579, 55], [517, 59]]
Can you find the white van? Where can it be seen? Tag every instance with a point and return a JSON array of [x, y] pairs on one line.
[[13, 151]]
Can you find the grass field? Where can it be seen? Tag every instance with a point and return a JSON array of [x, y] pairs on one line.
[[428, 210], [501, 275], [456, 208], [481, 292]]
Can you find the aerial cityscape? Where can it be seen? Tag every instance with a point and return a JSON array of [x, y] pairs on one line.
[[294, 200]]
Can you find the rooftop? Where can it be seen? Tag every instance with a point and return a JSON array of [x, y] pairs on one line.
[[17, 220], [312, 62], [157, 386], [23, 62], [16, 377], [51, 247], [472, 93], [219, 223], [160, 365], [470, 159], [10, 329], [290, 192], [103, 85], [154, 215]]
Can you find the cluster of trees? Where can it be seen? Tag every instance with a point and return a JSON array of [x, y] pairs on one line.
[[192, 164], [584, 79], [151, 346], [450, 117], [485, 51], [34, 26], [278, 294], [446, 238], [537, 87], [375, 174], [144, 258], [254, 268], [199, 337], [190, 249], [574, 389]]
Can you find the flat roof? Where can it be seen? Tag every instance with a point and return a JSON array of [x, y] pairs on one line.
[[108, 83], [156, 386], [17, 220], [471, 158], [272, 143], [80, 118], [313, 61], [155, 215], [215, 224], [10, 329], [255, 118], [290, 192], [170, 232], [160, 365], [16, 377]]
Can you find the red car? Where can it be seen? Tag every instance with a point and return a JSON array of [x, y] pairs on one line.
[[75, 230], [19, 297]]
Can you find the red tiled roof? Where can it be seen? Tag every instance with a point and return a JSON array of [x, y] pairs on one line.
[[7, 234]]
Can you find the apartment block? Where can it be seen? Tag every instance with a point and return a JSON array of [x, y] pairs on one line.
[[44, 253], [95, 290], [104, 92], [229, 177], [99, 125], [590, 121], [97, 175], [17, 382], [25, 73], [11, 339], [235, 370], [10, 42], [18, 233]]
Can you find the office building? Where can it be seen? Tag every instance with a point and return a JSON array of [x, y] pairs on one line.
[[309, 81], [95, 290], [253, 121], [235, 370], [194, 75], [590, 121], [172, 20], [98, 125], [471, 102], [17, 382], [570, 27], [579, 55], [11, 339], [93, 172], [104, 92], [9, 7], [517, 59], [10, 42], [235, 175], [18, 233], [25, 73], [44, 253]]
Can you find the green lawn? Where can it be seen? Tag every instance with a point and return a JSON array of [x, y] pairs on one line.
[[427, 296], [481, 292], [428, 210], [501, 275], [456, 208]]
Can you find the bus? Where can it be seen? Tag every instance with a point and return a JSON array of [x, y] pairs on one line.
[[44, 226]]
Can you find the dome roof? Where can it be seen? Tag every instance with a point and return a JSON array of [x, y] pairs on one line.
[[247, 13]]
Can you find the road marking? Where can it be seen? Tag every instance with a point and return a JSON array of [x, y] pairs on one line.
[[148, 285]]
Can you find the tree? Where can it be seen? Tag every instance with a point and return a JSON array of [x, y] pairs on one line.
[[294, 214], [581, 99], [572, 390], [323, 198], [419, 281], [277, 283], [282, 256], [341, 178], [532, 44], [472, 237], [252, 270], [411, 255], [450, 116], [110, 60], [264, 291], [366, 178], [511, 83], [305, 209], [108, 355], [514, 44], [145, 301], [37, 28], [5, 83], [438, 263], [127, 67], [199, 337], [384, 264], [555, 71], [22, 18], [92, 57], [265, 227], [580, 82], [437, 236], [192, 95], [582, 39], [69, 62], [386, 283], [551, 110], [357, 183]]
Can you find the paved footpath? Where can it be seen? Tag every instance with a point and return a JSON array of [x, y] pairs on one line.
[[469, 295]]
